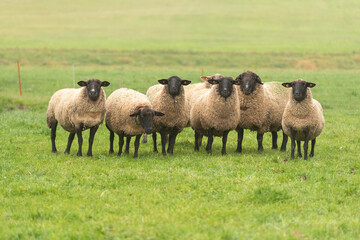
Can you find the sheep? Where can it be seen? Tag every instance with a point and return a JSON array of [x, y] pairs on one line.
[[128, 113], [77, 110], [261, 109], [216, 112], [170, 99], [303, 118]]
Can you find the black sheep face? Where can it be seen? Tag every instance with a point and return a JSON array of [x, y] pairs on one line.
[[93, 87], [174, 84], [299, 88], [145, 117], [225, 85], [249, 82]]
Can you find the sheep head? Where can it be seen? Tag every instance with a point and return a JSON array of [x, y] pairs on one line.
[[248, 82], [145, 118], [93, 87], [225, 85], [174, 84], [299, 88]]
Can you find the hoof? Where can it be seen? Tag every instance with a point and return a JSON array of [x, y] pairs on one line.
[[79, 154], [89, 154], [238, 150], [111, 151]]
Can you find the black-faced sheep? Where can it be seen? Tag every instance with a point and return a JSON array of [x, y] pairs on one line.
[[216, 112], [128, 113], [77, 110], [170, 99], [303, 118], [261, 108]]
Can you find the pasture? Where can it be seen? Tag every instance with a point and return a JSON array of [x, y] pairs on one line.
[[190, 195]]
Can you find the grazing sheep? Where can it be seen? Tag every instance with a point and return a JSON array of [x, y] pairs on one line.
[[128, 113], [216, 112], [170, 99], [77, 110], [261, 108], [303, 118]]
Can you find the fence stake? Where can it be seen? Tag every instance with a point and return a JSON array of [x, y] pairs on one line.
[[19, 77]]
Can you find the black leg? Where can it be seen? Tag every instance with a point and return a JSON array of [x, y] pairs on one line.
[[298, 143], [154, 141], [53, 136], [112, 135], [200, 139], [259, 138], [70, 140], [127, 147], [172, 139], [163, 142], [224, 140], [240, 132], [144, 140], [306, 144], [78, 131], [121, 142], [293, 144], [284, 142], [136, 144], [91, 139], [274, 140], [210, 140], [197, 135], [312, 153]]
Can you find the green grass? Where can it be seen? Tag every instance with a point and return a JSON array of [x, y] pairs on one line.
[[190, 195]]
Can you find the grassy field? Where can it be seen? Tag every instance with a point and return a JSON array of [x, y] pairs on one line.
[[188, 195]]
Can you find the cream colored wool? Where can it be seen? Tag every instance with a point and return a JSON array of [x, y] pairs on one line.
[[72, 107], [210, 110], [304, 115], [120, 105], [262, 110], [176, 109]]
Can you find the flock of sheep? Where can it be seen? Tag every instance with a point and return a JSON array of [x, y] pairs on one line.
[[213, 107]]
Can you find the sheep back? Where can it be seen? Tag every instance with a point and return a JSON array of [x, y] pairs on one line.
[[72, 107], [119, 106], [308, 114]]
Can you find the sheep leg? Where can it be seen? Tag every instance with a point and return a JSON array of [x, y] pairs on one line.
[[299, 148], [259, 138], [144, 140], [53, 136], [197, 136], [154, 141], [91, 139], [224, 140], [210, 140], [312, 147], [172, 139], [274, 140], [136, 144], [121, 142], [70, 140], [112, 135], [127, 147], [306, 144], [240, 132], [293, 144], [163, 142], [78, 130], [284, 142]]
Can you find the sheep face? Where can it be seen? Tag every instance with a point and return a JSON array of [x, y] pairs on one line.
[[174, 84], [93, 87], [299, 88], [145, 117], [248, 82], [225, 85]]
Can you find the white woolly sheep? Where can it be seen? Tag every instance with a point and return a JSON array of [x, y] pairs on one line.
[[170, 99], [216, 112], [261, 108], [77, 110], [303, 118], [128, 113]]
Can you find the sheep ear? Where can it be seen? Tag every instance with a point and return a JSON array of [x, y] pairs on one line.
[[258, 80], [310, 85], [163, 81], [158, 113], [204, 78], [287, 85], [82, 83], [236, 82], [105, 83], [185, 82], [213, 81], [135, 113]]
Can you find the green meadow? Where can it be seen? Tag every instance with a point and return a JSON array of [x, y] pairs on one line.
[[189, 195]]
